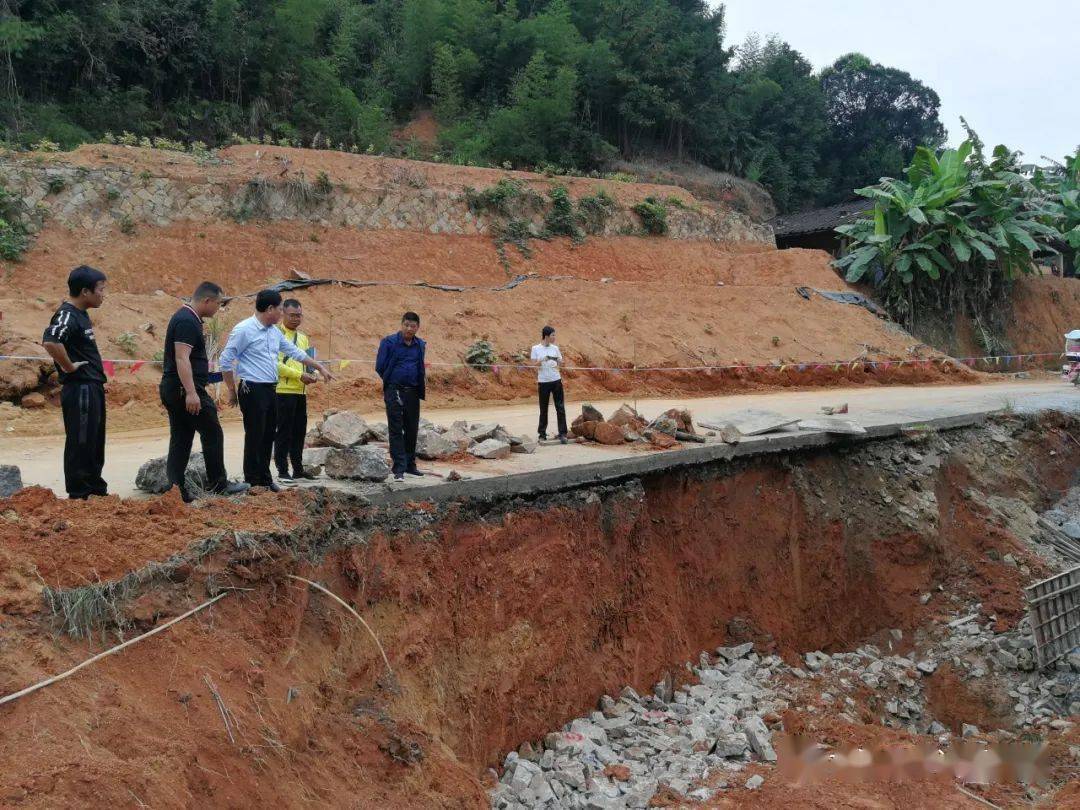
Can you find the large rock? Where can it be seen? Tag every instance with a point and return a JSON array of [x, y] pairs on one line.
[[627, 417], [20, 377], [591, 414], [585, 428], [342, 429], [683, 419], [1072, 529], [607, 433], [10, 480], [491, 448], [315, 457], [377, 432], [357, 464], [523, 444], [152, 477], [665, 424], [33, 400], [459, 436], [483, 431], [759, 737], [433, 446]]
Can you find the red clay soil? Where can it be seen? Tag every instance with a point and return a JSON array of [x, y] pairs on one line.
[[501, 623], [662, 308], [71, 543], [1044, 309]]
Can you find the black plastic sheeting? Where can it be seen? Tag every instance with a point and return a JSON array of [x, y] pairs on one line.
[[304, 283], [855, 299]]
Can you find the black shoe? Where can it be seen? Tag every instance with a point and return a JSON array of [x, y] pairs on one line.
[[414, 471], [273, 487], [399, 476], [306, 475], [235, 488], [284, 476], [542, 437], [562, 439]]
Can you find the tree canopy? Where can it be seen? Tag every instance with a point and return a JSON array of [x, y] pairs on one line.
[[571, 83]]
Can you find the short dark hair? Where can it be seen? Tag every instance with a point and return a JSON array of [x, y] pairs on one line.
[[290, 303], [266, 299], [207, 289], [547, 330], [84, 277], [410, 316]]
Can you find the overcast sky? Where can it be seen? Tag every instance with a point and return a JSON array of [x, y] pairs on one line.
[[1009, 68]]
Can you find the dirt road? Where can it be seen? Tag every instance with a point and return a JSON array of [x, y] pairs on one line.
[[40, 458]]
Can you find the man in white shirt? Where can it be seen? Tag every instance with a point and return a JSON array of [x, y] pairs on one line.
[[548, 358], [253, 348]]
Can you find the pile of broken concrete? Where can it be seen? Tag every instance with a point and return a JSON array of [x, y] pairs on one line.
[[626, 425], [340, 447]]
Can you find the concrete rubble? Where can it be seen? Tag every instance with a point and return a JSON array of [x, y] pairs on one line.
[[694, 740], [357, 464], [153, 478], [10, 480]]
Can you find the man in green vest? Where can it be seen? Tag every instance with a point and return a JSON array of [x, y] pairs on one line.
[[293, 380]]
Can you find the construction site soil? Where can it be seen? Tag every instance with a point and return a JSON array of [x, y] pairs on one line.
[[501, 619], [617, 303]]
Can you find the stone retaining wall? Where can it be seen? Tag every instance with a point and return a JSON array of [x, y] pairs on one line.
[[97, 198]]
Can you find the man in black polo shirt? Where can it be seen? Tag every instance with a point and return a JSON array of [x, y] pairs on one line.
[[184, 379], [69, 340]]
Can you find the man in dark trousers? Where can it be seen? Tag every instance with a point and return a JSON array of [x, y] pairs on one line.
[[400, 364], [183, 393], [251, 354], [292, 385], [69, 340]]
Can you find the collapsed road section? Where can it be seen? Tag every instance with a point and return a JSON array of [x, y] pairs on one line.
[[510, 608]]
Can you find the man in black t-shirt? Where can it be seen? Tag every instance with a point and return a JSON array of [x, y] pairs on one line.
[[184, 379], [69, 340]]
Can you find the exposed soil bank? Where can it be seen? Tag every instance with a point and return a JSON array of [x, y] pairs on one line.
[[505, 618]]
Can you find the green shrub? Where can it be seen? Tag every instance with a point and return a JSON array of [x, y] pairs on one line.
[[481, 355], [127, 225], [128, 342], [13, 236], [653, 215], [561, 220], [505, 198], [56, 185], [13, 241], [594, 210], [323, 186]]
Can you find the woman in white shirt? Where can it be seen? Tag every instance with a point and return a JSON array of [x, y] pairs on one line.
[[548, 358]]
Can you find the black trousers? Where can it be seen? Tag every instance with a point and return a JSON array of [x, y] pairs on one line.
[[83, 406], [291, 430], [182, 429], [258, 403], [547, 390], [403, 423]]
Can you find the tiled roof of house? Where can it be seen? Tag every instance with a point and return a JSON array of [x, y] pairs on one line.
[[820, 219]]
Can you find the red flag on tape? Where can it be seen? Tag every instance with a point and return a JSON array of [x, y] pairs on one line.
[[110, 368], [137, 365]]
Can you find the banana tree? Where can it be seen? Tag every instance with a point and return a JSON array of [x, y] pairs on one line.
[[952, 234], [1063, 185]]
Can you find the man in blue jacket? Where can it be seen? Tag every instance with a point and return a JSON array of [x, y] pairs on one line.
[[400, 364]]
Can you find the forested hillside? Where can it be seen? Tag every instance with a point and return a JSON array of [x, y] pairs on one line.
[[561, 84]]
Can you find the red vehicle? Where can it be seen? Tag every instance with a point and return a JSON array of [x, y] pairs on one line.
[[1071, 370]]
